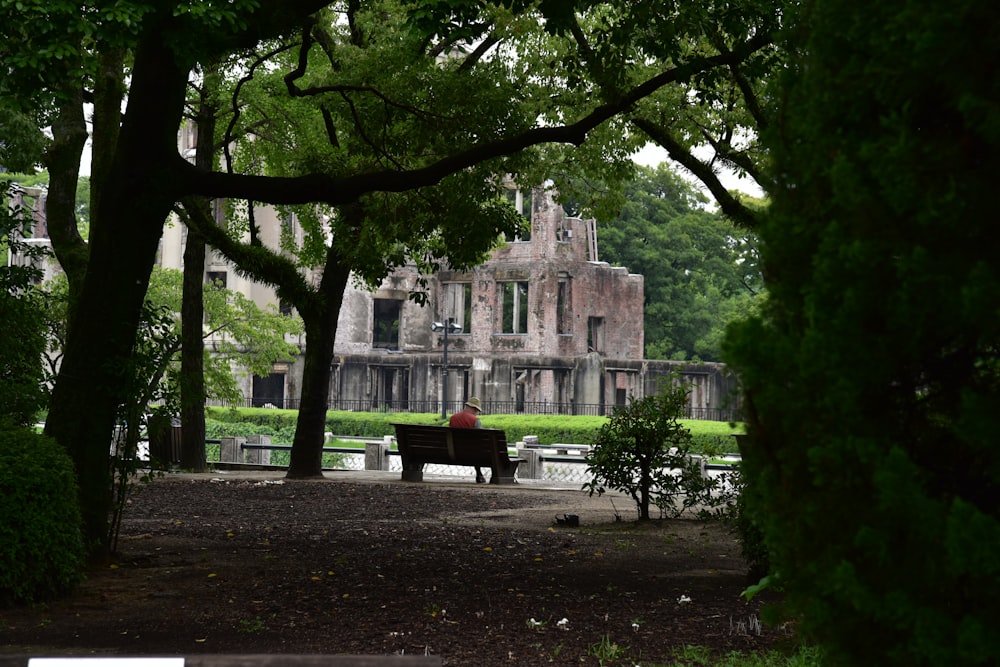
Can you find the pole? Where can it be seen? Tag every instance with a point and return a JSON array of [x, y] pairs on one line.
[[444, 372]]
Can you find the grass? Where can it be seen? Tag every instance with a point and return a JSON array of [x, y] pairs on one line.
[[696, 656]]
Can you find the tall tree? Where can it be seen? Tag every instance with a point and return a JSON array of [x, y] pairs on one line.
[[871, 377], [145, 175], [699, 270], [359, 101]]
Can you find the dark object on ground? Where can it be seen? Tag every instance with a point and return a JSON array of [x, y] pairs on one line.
[[478, 575]]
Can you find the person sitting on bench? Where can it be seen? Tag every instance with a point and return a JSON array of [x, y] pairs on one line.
[[469, 418]]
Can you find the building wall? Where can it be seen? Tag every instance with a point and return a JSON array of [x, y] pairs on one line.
[[549, 367]]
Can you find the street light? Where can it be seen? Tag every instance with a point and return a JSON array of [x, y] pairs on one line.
[[448, 328]]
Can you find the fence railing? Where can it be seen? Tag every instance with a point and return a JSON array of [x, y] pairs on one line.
[[552, 463], [489, 407]]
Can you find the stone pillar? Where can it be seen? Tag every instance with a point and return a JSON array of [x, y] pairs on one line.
[[377, 454], [532, 466], [259, 456], [231, 449]]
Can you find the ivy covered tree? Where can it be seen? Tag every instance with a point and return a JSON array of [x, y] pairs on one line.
[[872, 376], [699, 270]]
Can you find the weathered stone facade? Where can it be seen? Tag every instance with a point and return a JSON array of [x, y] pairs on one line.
[[545, 329]]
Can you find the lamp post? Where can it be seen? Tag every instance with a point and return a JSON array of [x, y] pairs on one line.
[[448, 327]]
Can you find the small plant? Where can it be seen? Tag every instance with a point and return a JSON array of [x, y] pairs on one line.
[[640, 450], [607, 651], [252, 625], [538, 626], [746, 627], [434, 610]]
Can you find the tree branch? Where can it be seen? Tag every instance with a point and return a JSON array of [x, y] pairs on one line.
[[262, 264], [339, 190], [731, 207]]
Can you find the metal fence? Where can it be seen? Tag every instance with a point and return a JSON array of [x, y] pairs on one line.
[[489, 407]]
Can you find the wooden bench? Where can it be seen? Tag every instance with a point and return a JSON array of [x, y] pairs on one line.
[[482, 447]]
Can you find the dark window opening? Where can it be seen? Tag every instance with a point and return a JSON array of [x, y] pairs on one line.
[[563, 310], [458, 304], [269, 391], [218, 278], [521, 201], [385, 332], [595, 334], [514, 307]]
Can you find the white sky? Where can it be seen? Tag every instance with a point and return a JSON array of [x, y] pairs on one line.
[[652, 155]]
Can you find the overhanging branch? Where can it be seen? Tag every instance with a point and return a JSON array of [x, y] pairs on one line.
[[339, 190], [730, 205]]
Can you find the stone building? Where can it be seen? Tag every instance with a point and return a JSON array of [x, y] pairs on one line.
[[544, 328]]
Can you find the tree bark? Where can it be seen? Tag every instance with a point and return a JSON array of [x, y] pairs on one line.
[[94, 380], [69, 137], [192, 380], [320, 319]]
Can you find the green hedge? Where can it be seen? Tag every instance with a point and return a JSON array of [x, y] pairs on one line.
[[707, 437], [41, 540]]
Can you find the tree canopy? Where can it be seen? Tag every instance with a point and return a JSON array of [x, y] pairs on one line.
[[573, 72], [699, 270]]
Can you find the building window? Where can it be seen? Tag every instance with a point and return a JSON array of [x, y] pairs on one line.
[[521, 201], [563, 306], [218, 279], [595, 335], [269, 391], [513, 306], [285, 308], [385, 332], [458, 304]]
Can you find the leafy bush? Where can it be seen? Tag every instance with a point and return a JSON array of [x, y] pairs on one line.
[[638, 451], [23, 335], [41, 543]]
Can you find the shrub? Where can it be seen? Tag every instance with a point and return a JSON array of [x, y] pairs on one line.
[[639, 449], [872, 376], [41, 543]]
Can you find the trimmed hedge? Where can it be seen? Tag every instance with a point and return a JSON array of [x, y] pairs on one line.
[[706, 437], [41, 540]]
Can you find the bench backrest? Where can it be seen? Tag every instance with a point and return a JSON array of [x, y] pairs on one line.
[[443, 444]]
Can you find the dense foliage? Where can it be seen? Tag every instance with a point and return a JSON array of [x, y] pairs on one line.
[[41, 545], [872, 377], [22, 336], [699, 270]]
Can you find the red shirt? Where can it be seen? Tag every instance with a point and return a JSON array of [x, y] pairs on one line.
[[463, 419]]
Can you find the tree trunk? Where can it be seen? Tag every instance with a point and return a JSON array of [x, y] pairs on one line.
[[192, 379], [320, 320], [69, 136], [95, 379]]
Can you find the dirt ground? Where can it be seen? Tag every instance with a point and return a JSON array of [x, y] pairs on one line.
[[228, 563]]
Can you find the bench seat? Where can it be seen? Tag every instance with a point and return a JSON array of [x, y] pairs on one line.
[[482, 447]]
